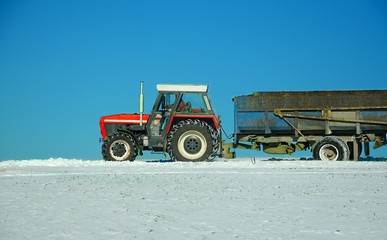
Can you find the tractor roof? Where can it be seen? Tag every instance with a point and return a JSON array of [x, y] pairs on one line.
[[182, 88]]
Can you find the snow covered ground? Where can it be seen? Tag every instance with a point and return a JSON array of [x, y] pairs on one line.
[[235, 199]]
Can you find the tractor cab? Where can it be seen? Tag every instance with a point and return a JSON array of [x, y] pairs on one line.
[[174, 103]]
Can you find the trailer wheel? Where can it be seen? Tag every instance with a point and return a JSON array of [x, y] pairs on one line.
[[190, 140], [119, 147], [331, 149]]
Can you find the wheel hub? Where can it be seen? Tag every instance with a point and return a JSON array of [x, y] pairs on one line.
[[119, 149], [192, 144], [329, 153]]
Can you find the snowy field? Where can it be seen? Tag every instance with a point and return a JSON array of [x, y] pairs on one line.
[[235, 199]]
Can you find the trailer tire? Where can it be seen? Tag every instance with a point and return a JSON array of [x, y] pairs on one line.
[[119, 147], [190, 140], [331, 148]]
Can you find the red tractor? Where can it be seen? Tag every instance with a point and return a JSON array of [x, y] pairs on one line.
[[182, 123]]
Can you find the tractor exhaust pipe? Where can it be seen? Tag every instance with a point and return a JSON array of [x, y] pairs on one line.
[[141, 103]]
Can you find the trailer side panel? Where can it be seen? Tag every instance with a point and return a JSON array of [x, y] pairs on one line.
[[311, 112]]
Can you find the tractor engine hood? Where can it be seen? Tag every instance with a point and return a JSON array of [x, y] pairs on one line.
[[131, 119]]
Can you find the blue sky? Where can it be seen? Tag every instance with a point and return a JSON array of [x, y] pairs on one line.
[[63, 64]]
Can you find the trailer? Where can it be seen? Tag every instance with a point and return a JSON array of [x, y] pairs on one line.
[[333, 125]]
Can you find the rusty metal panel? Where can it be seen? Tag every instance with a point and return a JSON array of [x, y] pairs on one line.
[[313, 100], [254, 113]]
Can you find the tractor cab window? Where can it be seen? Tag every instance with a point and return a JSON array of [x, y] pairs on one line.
[[166, 103], [163, 111], [193, 103]]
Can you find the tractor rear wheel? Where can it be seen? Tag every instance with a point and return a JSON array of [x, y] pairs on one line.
[[190, 140], [119, 147]]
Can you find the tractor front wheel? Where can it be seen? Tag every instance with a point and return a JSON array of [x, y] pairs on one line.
[[119, 147]]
